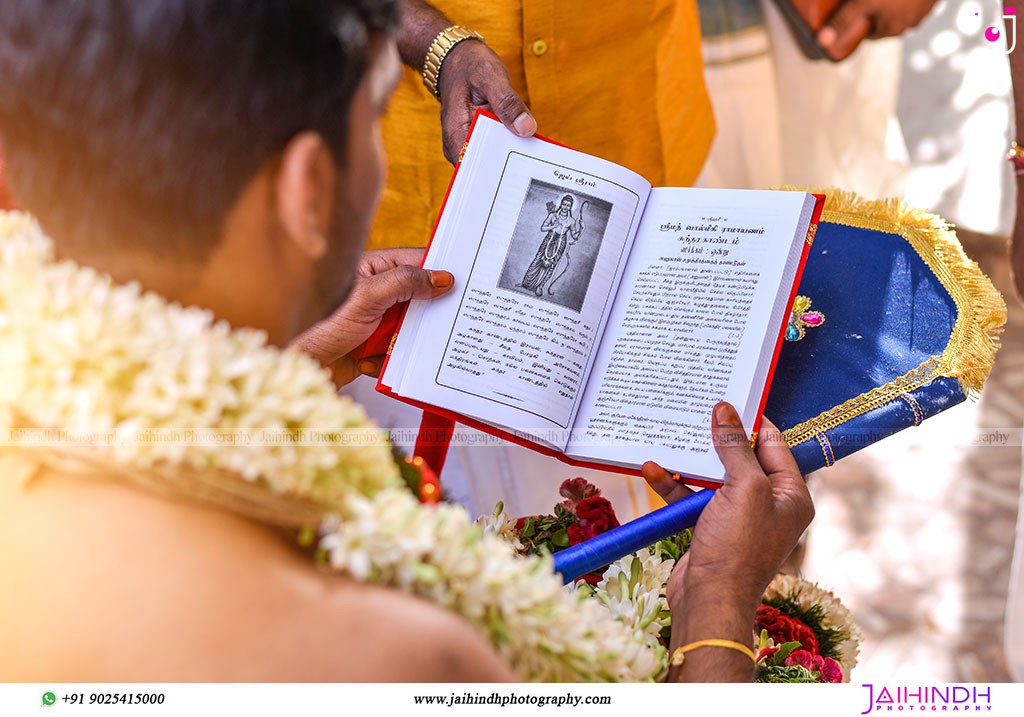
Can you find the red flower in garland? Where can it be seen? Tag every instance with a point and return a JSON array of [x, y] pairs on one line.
[[783, 628], [586, 515], [590, 578], [576, 534], [594, 516], [576, 490]]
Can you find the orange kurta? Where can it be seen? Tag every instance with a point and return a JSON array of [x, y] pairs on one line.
[[620, 80]]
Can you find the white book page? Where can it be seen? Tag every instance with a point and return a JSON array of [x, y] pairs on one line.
[[537, 237], [701, 301]]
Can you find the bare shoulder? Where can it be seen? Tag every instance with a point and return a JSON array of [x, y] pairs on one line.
[[112, 584]]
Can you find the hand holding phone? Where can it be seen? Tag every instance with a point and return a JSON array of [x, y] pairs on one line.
[[806, 18], [833, 29]]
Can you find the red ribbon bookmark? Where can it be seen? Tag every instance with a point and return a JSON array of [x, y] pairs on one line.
[[435, 432], [433, 439]]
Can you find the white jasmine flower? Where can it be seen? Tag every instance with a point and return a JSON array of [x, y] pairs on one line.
[[500, 524]]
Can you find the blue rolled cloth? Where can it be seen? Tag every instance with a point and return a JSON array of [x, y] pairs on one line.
[[627, 539]]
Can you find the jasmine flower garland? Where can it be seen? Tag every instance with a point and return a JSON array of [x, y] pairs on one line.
[[79, 353]]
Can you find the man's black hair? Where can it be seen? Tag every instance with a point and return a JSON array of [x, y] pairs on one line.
[[140, 120]]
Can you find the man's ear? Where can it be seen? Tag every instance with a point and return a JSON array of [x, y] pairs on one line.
[[305, 193]]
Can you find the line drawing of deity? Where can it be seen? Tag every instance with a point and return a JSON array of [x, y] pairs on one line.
[[563, 230]]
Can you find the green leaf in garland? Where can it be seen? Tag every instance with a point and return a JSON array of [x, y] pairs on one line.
[[791, 674], [784, 651], [669, 548]]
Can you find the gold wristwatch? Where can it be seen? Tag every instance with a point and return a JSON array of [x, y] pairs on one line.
[[439, 49]]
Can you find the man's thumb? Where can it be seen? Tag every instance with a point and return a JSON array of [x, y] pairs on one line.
[[403, 283], [732, 445], [509, 107]]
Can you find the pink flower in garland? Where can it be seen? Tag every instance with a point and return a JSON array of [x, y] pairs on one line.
[[828, 669], [805, 659], [831, 671]]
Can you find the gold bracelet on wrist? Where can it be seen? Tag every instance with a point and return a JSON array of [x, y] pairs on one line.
[[680, 654], [444, 43]]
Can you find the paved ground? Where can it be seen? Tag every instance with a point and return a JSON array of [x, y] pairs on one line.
[[955, 115], [916, 532]]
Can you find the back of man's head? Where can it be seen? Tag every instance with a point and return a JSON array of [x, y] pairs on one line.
[[141, 121]]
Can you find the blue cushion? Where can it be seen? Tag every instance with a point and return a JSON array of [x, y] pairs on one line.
[[886, 314]]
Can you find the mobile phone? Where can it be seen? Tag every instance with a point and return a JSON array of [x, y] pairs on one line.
[[805, 18]]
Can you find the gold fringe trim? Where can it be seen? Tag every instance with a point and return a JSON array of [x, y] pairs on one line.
[[981, 311]]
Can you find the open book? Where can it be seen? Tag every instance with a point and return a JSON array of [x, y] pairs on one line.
[[594, 317]]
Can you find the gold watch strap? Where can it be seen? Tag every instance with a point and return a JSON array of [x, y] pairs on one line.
[[445, 41]]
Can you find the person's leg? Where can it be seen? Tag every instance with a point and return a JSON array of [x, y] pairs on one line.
[[838, 120], [739, 72]]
